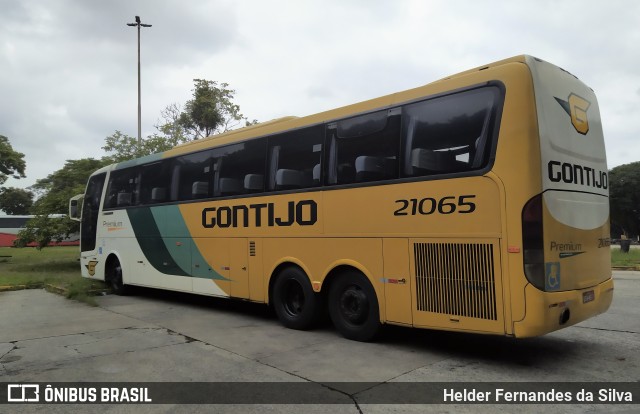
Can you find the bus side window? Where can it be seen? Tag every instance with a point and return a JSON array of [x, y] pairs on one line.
[[192, 176], [253, 183], [239, 168], [295, 159], [448, 134], [154, 180], [364, 148], [123, 189]]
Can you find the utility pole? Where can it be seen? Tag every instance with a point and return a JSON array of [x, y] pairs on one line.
[[139, 24]]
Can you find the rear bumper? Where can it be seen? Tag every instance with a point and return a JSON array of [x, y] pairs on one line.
[[545, 310]]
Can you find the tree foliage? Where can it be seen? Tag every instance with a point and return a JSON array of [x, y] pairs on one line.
[[212, 110], [11, 162], [624, 196], [44, 229], [55, 191], [125, 147], [170, 125], [15, 201], [58, 187]]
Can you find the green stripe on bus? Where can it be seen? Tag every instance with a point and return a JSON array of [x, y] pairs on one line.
[[172, 225], [153, 244]]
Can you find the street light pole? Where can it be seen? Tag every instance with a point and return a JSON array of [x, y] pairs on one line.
[[138, 23]]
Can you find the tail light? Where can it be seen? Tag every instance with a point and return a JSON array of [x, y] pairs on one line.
[[533, 242]]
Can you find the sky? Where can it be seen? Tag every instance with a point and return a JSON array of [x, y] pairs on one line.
[[68, 68]]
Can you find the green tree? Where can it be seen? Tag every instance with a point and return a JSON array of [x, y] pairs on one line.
[[212, 110], [15, 200], [624, 196], [44, 229], [124, 147], [55, 192], [170, 126], [11, 162]]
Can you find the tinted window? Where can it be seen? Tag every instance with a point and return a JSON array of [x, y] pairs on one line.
[[240, 168], [192, 176], [155, 180], [90, 208], [448, 134], [295, 159], [364, 148], [123, 188]]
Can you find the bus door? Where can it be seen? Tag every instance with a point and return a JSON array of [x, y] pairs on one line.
[[89, 226]]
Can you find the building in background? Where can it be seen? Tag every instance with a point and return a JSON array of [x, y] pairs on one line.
[[11, 225]]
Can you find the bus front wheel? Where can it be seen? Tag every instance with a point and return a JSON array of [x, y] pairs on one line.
[[114, 278], [353, 307], [294, 300]]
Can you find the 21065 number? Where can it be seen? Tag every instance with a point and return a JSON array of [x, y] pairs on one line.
[[430, 205]]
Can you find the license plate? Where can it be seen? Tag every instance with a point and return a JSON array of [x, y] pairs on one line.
[[588, 296]]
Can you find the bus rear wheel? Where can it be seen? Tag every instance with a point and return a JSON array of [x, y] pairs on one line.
[[114, 278], [353, 307], [294, 300]]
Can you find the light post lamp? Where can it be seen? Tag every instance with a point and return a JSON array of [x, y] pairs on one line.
[[138, 24]]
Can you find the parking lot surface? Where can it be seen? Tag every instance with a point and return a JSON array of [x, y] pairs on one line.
[[157, 336]]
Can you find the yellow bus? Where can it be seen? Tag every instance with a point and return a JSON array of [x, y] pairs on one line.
[[477, 203]]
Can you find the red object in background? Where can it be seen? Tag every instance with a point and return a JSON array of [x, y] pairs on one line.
[[6, 240]]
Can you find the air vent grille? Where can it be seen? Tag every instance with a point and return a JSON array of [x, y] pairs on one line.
[[455, 279]]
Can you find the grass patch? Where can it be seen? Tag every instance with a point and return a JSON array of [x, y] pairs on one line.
[[57, 266], [618, 258]]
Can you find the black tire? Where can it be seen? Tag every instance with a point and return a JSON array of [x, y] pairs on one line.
[[353, 306], [114, 278], [294, 300]]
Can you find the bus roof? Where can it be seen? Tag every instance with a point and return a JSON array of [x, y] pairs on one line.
[[293, 122]]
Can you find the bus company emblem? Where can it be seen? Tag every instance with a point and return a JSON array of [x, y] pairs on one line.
[[91, 267], [576, 107]]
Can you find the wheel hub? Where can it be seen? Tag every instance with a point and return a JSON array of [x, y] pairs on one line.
[[354, 305], [294, 298]]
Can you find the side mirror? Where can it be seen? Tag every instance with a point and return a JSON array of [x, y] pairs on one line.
[[75, 207]]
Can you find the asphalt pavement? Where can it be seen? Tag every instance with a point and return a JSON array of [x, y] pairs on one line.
[[158, 336]]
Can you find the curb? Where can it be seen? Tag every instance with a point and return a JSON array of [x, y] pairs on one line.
[[50, 288], [63, 291], [21, 287]]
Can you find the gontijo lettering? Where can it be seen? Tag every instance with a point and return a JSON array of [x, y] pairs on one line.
[[577, 174], [302, 213]]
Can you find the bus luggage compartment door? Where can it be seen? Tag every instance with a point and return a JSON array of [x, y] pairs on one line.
[[397, 281]]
